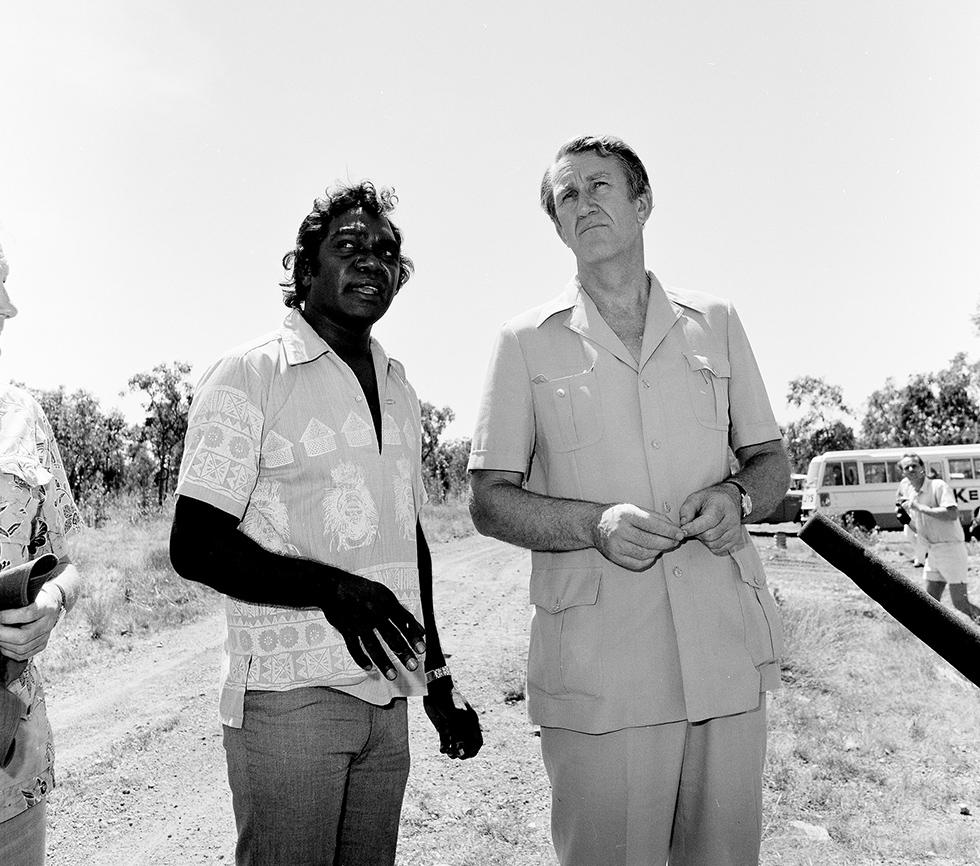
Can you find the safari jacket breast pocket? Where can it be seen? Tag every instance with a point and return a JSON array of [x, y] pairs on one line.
[[569, 410], [707, 383], [564, 656]]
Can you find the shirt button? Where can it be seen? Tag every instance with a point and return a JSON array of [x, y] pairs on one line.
[[646, 384], [358, 398], [655, 443], [560, 392], [667, 508], [678, 571], [556, 606]]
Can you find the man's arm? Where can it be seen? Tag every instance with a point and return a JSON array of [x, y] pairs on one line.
[[625, 534], [206, 546], [451, 715], [940, 512], [713, 515]]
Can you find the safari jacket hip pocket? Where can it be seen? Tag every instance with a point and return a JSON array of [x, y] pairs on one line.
[[569, 411], [564, 656], [760, 617], [707, 385]]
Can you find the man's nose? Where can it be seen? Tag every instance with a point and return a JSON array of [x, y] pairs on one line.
[[586, 202], [368, 261]]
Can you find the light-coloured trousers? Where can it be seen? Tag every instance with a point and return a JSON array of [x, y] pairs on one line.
[[317, 778], [634, 797]]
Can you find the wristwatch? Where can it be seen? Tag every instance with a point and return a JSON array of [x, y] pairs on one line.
[[437, 674], [745, 498]]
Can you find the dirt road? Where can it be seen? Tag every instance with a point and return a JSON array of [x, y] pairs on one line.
[[140, 766]]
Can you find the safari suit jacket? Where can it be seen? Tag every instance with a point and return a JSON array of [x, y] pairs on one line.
[[695, 636]]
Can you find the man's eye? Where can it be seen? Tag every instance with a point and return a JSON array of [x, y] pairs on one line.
[[565, 196], [388, 255], [345, 245]]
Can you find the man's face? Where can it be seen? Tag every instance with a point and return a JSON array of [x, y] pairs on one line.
[[596, 218], [358, 270], [914, 471]]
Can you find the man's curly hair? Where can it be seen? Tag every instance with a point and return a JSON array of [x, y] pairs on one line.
[[302, 263]]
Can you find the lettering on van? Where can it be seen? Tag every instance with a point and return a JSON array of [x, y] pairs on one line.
[[966, 495]]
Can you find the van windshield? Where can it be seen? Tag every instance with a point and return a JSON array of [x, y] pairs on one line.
[[813, 472]]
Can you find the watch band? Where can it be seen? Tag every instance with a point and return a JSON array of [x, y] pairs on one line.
[[744, 499], [437, 674]]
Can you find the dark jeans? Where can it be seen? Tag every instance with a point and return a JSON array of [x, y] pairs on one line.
[[317, 778]]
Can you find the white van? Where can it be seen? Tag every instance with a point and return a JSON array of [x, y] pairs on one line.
[[860, 486]]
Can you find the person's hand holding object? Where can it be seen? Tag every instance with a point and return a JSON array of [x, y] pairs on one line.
[[455, 720], [367, 613], [633, 537], [714, 517], [24, 631]]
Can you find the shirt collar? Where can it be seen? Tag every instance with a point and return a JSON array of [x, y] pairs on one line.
[[302, 344], [664, 308]]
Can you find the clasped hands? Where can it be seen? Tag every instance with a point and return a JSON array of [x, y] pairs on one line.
[[634, 537]]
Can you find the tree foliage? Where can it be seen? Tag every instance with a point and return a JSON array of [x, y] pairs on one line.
[[820, 427], [938, 408], [166, 393], [91, 441], [443, 462]]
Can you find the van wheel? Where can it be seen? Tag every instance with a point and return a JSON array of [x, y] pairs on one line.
[[860, 520]]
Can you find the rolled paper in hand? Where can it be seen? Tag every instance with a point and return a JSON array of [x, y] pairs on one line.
[[956, 639]]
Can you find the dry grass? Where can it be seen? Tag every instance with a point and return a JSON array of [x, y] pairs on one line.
[[130, 589], [447, 521], [872, 738]]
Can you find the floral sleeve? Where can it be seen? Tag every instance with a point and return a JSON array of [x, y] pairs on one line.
[[59, 515]]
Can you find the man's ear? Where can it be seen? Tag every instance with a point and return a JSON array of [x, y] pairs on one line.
[[559, 232], [644, 205]]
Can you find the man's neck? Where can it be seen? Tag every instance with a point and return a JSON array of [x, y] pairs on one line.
[[351, 345], [619, 283], [621, 297]]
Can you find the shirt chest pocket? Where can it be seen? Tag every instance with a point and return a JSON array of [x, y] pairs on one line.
[[568, 411], [707, 385]]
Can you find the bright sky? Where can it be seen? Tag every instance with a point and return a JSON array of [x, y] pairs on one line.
[[816, 162]]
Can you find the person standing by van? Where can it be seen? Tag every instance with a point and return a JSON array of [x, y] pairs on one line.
[[931, 505], [905, 490]]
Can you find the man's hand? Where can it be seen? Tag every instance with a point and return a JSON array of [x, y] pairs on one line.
[[366, 613], [714, 517], [24, 631], [633, 537], [455, 720]]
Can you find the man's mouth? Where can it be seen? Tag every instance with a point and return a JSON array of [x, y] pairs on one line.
[[368, 290]]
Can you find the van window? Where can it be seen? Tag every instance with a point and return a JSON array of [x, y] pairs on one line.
[[894, 473], [934, 469], [833, 475], [875, 473], [976, 467], [850, 473], [962, 468]]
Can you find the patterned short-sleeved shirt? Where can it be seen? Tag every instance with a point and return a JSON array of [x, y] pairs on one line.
[[37, 511], [280, 435]]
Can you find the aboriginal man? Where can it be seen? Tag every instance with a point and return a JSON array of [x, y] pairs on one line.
[[603, 446], [299, 496]]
